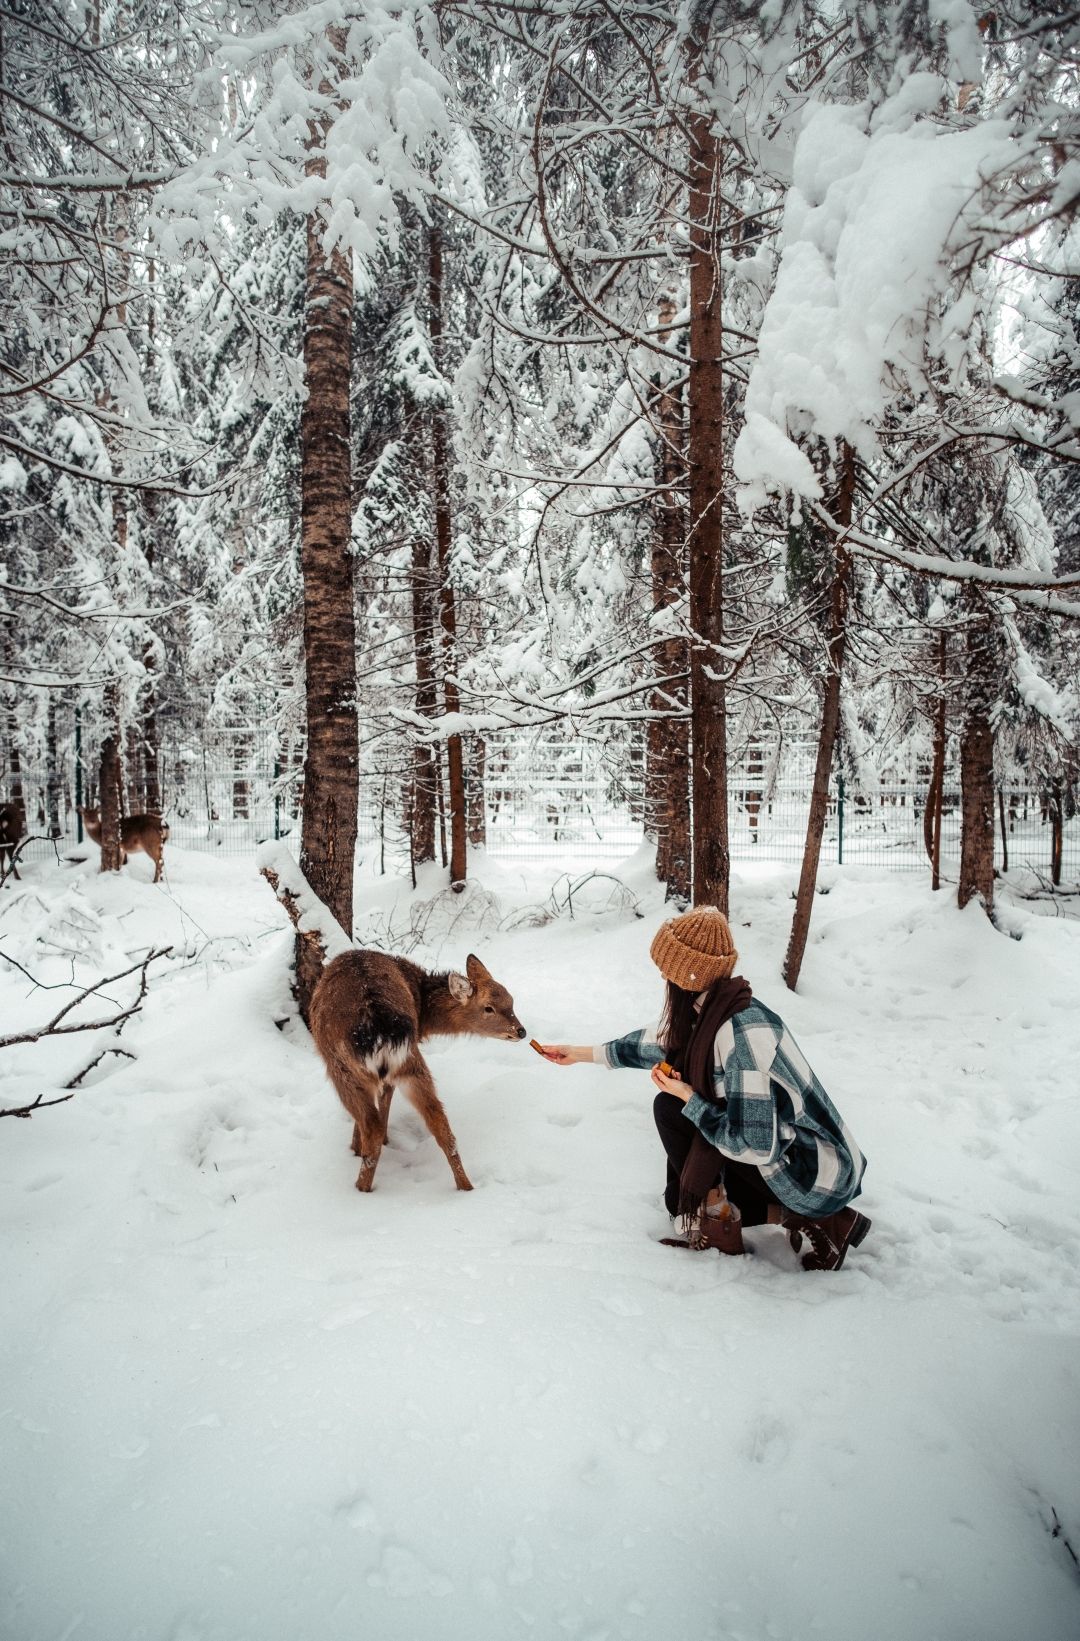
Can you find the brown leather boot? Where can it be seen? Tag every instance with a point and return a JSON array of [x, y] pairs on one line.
[[722, 1231], [716, 1224], [829, 1238]]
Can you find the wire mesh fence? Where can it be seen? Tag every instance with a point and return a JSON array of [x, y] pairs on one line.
[[540, 799]]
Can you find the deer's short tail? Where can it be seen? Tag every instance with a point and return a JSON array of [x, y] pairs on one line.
[[382, 1042]]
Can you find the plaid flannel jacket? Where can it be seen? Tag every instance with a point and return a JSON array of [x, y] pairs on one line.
[[768, 1109]]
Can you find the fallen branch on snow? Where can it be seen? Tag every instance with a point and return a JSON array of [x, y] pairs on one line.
[[1058, 1532], [53, 1028]]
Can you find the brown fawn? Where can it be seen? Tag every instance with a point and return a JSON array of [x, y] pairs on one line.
[[12, 828], [369, 1014], [146, 833]]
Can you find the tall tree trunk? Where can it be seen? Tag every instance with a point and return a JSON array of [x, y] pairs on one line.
[[424, 794], [15, 794], [151, 736], [667, 745], [977, 767], [52, 774], [935, 801], [440, 472], [329, 825], [705, 411], [133, 764], [830, 724], [440, 803], [110, 798], [1057, 830], [476, 796], [151, 747]]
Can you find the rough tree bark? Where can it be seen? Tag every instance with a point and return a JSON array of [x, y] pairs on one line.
[[52, 775], [133, 771], [110, 799], [1056, 808], [705, 412], [15, 794], [424, 795], [935, 798], [839, 594], [112, 784], [151, 513], [476, 795], [328, 827], [977, 762], [150, 779], [667, 746], [440, 473]]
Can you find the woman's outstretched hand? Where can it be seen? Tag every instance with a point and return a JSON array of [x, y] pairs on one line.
[[564, 1054]]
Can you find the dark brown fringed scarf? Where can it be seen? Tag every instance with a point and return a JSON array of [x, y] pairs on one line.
[[723, 999]]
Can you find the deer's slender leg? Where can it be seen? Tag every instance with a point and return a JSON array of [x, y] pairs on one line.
[[417, 1084], [386, 1094], [371, 1143], [357, 1091]]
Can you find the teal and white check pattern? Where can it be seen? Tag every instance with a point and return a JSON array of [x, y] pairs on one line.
[[768, 1109]]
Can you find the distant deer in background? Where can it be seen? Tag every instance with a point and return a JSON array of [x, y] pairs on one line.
[[369, 1014], [12, 828], [147, 834]]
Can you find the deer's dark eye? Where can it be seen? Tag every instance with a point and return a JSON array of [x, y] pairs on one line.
[[488, 1009]]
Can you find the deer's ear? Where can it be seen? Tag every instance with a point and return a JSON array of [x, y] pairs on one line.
[[476, 970], [460, 989]]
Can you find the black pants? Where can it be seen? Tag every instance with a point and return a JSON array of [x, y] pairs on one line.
[[743, 1183]]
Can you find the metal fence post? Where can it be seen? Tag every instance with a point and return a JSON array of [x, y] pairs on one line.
[[277, 799], [840, 819]]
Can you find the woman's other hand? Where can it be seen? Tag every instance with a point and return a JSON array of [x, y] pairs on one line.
[[672, 1084], [564, 1054]]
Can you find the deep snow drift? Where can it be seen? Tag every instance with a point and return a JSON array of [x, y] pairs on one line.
[[241, 1401]]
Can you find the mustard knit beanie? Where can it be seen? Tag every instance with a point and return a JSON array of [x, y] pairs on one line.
[[694, 950]]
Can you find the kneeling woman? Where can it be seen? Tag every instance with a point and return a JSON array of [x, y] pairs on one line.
[[742, 1112]]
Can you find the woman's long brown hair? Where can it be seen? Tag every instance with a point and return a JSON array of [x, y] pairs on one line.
[[676, 1024]]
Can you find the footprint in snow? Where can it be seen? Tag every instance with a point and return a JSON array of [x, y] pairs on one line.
[[359, 1513], [344, 1317], [403, 1575], [651, 1440], [620, 1305], [43, 1182], [768, 1442]]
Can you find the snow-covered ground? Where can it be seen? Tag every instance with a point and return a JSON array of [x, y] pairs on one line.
[[239, 1400]]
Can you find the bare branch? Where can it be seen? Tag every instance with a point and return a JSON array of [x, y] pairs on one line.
[[55, 1029], [35, 1105]]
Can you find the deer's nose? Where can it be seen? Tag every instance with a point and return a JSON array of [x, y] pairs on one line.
[[522, 1032]]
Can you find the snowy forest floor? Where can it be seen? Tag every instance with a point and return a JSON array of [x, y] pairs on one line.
[[241, 1401]]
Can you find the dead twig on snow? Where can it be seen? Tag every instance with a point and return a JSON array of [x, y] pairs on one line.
[[54, 1029]]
